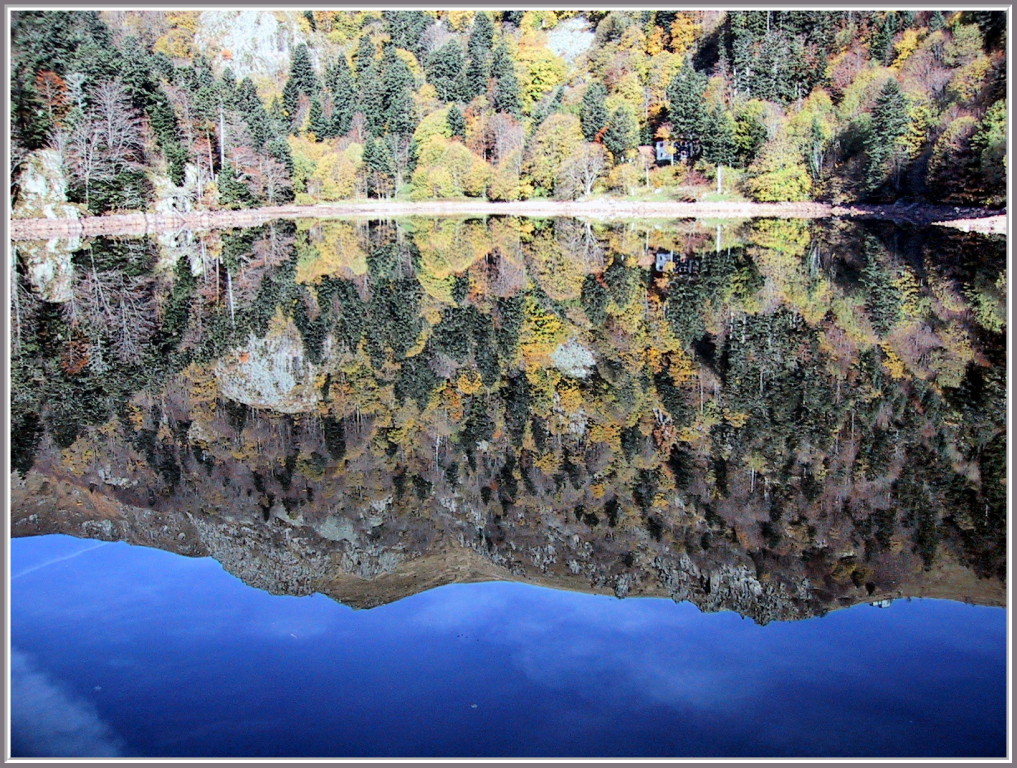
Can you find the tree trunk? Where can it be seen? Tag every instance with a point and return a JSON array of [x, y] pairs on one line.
[[222, 138]]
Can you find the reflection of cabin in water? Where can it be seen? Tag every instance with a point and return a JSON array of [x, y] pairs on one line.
[[683, 264], [671, 150]]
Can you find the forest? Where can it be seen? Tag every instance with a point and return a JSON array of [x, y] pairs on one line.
[[145, 110], [788, 386]]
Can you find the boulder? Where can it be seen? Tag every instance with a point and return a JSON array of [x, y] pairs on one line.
[[253, 43], [49, 266], [272, 372], [573, 359], [43, 189]]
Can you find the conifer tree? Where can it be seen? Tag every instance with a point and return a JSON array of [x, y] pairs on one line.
[[317, 123], [457, 123], [233, 193], [279, 149], [881, 42], [302, 70], [398, 95], [303, 82], [622, 132], [339, 83], [686, 109], [506, 93], [405, 29], [381, 168], [371, 98], [363, 57], [291, 103], [889, 122], [249, 105], [446, 72], [400, 120], [718, 138], [479, 51], [229, 88], [592, 112]]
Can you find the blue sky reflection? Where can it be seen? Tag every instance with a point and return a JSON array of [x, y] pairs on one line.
[[160, 655]]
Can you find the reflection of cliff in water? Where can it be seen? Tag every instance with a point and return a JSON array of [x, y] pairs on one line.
[[813, 417]]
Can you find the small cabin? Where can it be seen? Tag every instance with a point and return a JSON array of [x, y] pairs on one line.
[[671, 150], [681, 264]]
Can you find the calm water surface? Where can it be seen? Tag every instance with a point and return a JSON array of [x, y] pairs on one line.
[[412, 466]]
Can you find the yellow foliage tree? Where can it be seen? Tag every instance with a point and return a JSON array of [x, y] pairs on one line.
[[178, 42], [684, 31], [538, 70], [336, 174], [336, 249], [552, 143]]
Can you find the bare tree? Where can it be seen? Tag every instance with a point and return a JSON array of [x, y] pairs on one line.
[[107, 140], [506, 136], [265, 176], [84, 154], [112, 311], [24, 304], [119, 126], [580, 171]]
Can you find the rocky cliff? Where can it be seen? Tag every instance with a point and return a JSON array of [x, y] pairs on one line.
[[367, 562]]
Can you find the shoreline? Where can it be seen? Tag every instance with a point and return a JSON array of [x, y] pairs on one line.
[[987, 221]]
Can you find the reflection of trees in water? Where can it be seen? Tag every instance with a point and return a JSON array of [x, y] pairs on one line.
[[773, 399]]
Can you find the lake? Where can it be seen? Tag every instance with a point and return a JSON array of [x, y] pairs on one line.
[[375, 488]]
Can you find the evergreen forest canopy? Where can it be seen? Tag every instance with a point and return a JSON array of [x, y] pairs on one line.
[[143, 107], [815, 399]]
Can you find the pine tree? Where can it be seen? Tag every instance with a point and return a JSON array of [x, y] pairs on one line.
[[889, 122], [405, 29], [622, 132], [880, 44], [29, 119], [339, 83], [249, 105], [302, 70], [506, 93], [398, 95], [548, 105], [229, 88], [686, 108], [718, 139], [302, 82], [363, 57], [291, 103], [457, 123], [381, 168], [279, 149], [479, 51], [371, 98], [592, 112], [400, 114], [478, 71], [233, 193], [446, 72], [317, 123]]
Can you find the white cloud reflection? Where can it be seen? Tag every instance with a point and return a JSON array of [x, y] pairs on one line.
[[49, 721]]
